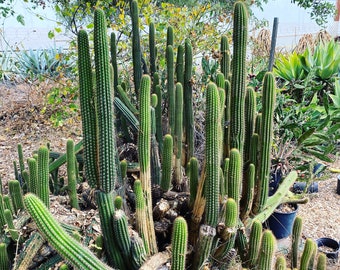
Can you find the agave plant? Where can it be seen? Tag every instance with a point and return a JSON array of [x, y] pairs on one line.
[[291, 68]]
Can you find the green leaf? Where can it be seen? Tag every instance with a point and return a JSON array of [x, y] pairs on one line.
[[50, 34], [305, 135]]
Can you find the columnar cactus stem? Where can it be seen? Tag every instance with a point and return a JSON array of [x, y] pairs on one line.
[[226, 139], [4, 261], [212, 154], [170, 36], [178, 134], [121, 233], [250, 114], [235, 175], [106, 213], [229, 233], [155, 160], [140, 211], [33, 175], [158, 112], [322, 262], [71, 174], [193, 175], [43, 189], [123, 96], [268, 105], [21, 158], [170, 89], [167, 162], [225, 59], [138, 253], [88, 110], [179, 244], [267, 251], [106, 136], [280, 263], [188, 102], [136, 50], [296, 238], [248, 192], [16, 195], [180, 65], [2, 213], [72, 251], [9, 220], [113, 51], [8, 203], [144, 148], [254, 244], [306, 254], [238, 79], [204, 244], [152, 49]]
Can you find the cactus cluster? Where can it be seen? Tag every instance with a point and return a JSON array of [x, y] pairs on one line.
[[228, 191]]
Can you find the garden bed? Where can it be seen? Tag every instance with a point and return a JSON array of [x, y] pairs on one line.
[[22, 121]]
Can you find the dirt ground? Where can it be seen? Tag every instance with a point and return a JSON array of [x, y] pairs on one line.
[[21, 121]]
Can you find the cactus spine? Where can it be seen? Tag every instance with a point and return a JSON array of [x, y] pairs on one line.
[[71, 174], [267, 250], [88, 108], [43, 189], [16, 195], [66, 246], [178, 133], [268, 105], [296, 238], [170, 88], [179, 244], [144, 148], [136, 50], [238, 79], [212, 154], [106, 139]]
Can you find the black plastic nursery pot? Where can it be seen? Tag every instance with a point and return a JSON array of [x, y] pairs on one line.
[[299, 187], [338, 186], [281, 222], [329, 246]]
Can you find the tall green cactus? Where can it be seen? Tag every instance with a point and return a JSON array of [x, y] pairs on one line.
[[170, 36], [43, 189], [180, 65], [235, 175], [155, 160], [247, 192], [121, 233], [238, 79], [178, 133], [193, 175], [322, 262], [16, 195], [280, 263], [254, 244], [225, 57], [106, 136], [2, 213], [65, 245], [33, 175], [106, 214], [179, 244], [167, 162], [296, 238], [170, 89], [88, 108], [268, 105], [140, 212], [71, 174], [250, 114], [158, 112], [113, 52], [152, 48], [144, 148], [4, 260], [138, 253], [136, 50], [307, 254], [212, 154], [226, 139], [267, 250], [188, 102], [10, 225]]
